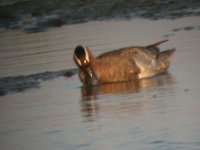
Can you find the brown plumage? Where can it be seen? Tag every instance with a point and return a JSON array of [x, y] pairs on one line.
[[121, 65]]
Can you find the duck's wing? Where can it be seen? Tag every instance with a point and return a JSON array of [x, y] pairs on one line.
[[150, 50], [153, 48], [149, 65]]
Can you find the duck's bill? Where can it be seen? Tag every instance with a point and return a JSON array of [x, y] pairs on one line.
[[93, 80]]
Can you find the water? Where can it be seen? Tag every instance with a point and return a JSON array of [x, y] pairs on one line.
[[156, 113]]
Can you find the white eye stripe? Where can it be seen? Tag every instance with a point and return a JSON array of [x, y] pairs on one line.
[[77, 60], [87, 55]]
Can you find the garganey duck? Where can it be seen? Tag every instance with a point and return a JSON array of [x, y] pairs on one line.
[[124, 64]]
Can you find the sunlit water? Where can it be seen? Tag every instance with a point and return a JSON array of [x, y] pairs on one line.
[[156, 113]]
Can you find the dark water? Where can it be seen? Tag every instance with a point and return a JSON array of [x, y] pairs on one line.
[[56, 112]]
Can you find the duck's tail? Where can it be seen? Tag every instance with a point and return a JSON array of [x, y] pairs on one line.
[[166, 55], [153, 48], [164, 59]]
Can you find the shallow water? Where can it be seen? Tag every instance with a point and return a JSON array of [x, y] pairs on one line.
[[156, 113]]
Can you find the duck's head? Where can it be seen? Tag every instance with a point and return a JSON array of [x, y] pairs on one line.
[[83, 59], [82, 56]]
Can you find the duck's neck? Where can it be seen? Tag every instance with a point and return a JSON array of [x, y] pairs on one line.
[[91, 74]]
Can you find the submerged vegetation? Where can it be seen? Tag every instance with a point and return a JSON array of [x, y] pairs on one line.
[[37, 15]]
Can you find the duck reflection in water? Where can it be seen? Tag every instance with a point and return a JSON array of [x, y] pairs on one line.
[[91, 106]]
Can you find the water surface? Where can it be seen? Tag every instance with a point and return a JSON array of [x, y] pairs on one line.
[[156, 113]]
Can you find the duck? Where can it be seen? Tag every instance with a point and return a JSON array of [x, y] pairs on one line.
[[124, 64]]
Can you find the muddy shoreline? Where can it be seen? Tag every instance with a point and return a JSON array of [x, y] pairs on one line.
[[23, 82], [32, 16]]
